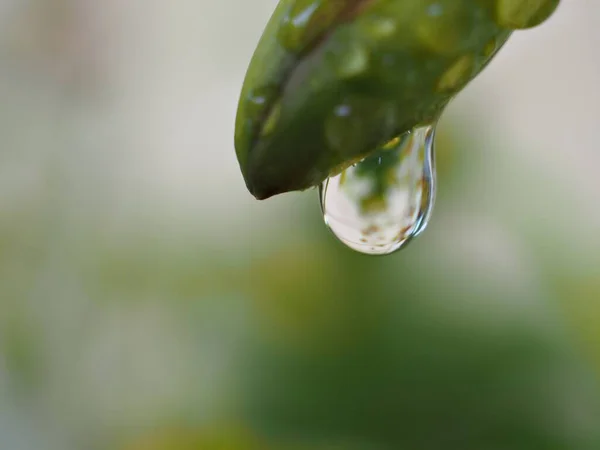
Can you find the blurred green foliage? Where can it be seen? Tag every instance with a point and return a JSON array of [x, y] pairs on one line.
[[305, 343]]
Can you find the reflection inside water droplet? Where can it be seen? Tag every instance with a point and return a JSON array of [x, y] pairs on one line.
[[379, 204]]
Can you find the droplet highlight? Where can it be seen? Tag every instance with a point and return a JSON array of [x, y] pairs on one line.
[[379, 204], [357, 122], [306, 21]]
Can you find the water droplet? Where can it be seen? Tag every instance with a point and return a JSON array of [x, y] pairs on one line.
[[259, 99], [357, 123], [306, 21], [457, 75], [380, 27], [452, 27], [354, 61], [440, 25], [271, 120], [379, 204], [518, 14], [490, 48]]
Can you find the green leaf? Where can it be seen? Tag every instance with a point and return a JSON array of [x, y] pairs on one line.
[[333, 80]]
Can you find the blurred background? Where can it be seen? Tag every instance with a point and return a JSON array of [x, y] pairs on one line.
[[148, 302]]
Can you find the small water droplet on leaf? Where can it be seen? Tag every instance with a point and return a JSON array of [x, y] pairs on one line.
[[519, 14]]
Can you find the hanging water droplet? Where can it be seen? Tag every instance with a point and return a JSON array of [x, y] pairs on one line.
[[379, 204]]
